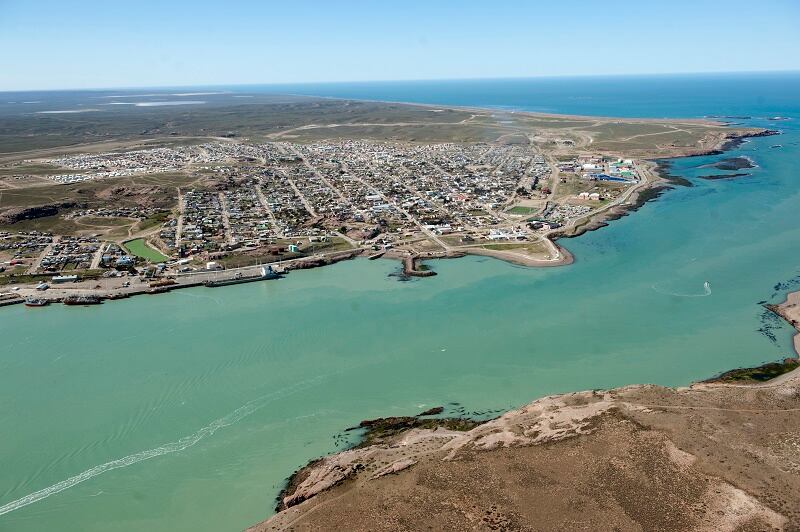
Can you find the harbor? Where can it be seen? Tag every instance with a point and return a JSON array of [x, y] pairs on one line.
[[265, 273], [122, 287], [190, 406]]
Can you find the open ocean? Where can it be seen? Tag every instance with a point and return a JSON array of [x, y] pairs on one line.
[[188, 410]]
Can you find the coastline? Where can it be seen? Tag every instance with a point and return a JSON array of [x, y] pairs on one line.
[[789, 310], [192, 280], [274, 471], [663, 433], [536, 114], [655, 181], [646, 191], [564, 257], [393, 450], [412, 266], [662, 181]]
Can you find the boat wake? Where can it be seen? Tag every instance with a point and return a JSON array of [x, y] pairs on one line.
[[168, 448], [706, 291]]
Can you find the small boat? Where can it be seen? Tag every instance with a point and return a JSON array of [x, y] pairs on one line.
[[707, 288], [36, 302], [777, 146], [82, 300], [268, 273]]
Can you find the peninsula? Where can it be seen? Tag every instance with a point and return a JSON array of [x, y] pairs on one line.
[[108, 205], [717, 455]]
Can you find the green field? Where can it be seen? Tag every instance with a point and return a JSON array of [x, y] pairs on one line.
[[140, 248], [520, 209]]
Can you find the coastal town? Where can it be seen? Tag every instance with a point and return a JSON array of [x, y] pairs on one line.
[[284, 203], [379, 267]]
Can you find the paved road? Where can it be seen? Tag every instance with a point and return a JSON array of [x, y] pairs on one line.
[[179, 227], [226, 222], [45, 251], [98, 255], [265, 204]]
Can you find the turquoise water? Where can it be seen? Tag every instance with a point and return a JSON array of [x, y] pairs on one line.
[[186, 411]]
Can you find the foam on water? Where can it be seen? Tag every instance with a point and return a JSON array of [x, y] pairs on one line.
[[172, 447], [706, 291]]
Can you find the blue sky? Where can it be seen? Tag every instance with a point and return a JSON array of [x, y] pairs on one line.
[[94, 44]]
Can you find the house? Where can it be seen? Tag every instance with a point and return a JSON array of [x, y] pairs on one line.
[[124, 261]]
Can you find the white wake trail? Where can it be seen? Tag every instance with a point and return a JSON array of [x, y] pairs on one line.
[[179, 445], [706, 291]]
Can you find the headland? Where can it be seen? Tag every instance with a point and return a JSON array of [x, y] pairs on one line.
[[720, 454]]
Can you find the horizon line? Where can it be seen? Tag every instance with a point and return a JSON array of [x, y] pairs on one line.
[[409, 80]]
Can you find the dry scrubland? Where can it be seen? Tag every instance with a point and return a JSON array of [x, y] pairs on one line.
[[718, 455], [710, 457]]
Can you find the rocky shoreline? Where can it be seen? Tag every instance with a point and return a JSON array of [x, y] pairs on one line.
[[789, 310], [664, 432], [397, 450], [664, 182], [735, 140], [615, 213], [318, 475], [715, 177]]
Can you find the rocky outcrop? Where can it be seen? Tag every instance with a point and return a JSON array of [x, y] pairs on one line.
[[394, 467], [762, 373], [733, 140], [549, 419], [319, 476], [432, 411], [708, 457], [17, 214], [714, 177], [411, 267], [316, 262]]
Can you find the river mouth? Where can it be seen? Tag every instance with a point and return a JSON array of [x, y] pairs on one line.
[[287, 365]]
